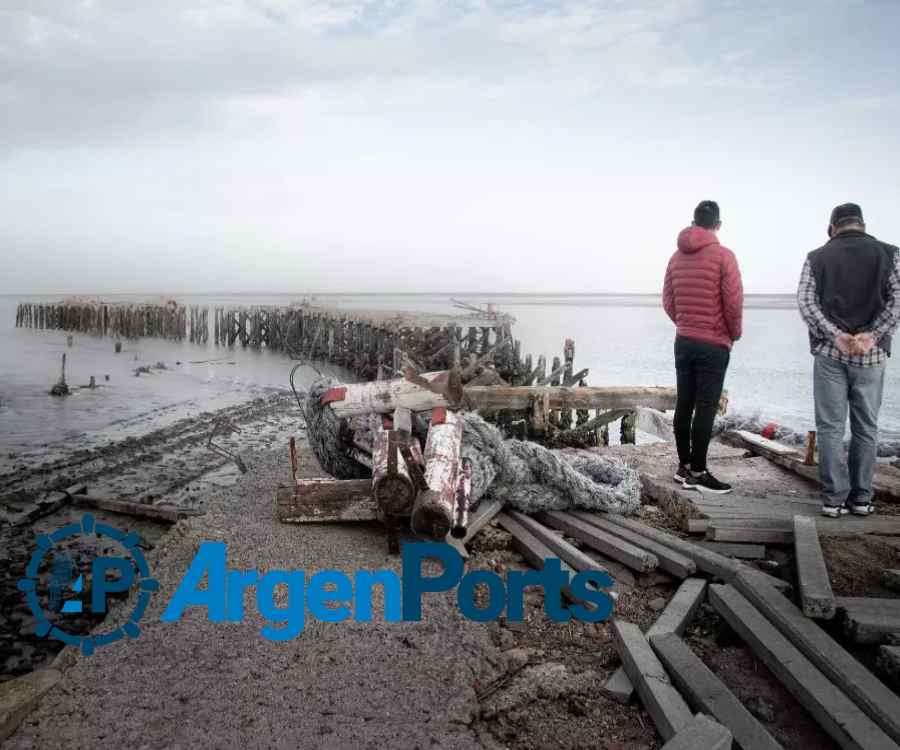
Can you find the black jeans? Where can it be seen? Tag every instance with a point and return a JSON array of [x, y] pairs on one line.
[[700, 369]]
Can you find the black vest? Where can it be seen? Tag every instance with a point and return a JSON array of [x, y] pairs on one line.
[[852, 272]]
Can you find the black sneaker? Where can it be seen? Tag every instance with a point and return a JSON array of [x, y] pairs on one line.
[[705, 482], [682, 473]]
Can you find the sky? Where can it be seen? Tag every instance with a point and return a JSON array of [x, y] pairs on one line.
[[433, 146]]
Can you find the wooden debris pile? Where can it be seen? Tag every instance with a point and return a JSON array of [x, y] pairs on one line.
[[850, 703], [406, 437]]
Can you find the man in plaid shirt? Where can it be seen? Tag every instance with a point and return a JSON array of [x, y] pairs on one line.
[[849, 296]]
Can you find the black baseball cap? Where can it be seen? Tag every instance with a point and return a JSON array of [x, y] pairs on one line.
[[706, 214], [846, 213]]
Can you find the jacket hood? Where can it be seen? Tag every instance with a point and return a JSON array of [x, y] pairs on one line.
[[694, 238]]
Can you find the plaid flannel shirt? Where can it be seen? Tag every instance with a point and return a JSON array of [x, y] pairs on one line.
[[825, 331]]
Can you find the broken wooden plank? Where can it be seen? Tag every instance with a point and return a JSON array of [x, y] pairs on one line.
[[611, 546], [717, 533], [697, 525], [848, 526], [816, 596], [871, 604], [663, 702], [842, 719], [706, 561], [384, 396], [561, 397], [701, 732], [885, 482], [482, 516], [669, 560], [622, 574], [736, 549], [779, 584], [555, 542], [869, 620], [677, 615], [326, 500], [705, 692], [535, 551], [138, 510], [866, 690], [765, 444]]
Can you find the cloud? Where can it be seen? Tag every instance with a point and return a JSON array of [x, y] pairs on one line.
[[265, 138], [92, 72]]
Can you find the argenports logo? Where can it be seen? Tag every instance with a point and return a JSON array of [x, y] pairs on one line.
[[286, 599], [67, 588]]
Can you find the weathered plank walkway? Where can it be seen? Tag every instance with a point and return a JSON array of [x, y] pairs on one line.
[[761, 509]]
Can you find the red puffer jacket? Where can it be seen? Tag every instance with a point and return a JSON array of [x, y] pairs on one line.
[[703, 293]]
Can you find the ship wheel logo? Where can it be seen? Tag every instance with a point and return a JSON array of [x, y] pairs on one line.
[[128, 570]]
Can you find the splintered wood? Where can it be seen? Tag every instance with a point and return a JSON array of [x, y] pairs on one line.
[[326, 500], [433, 510]]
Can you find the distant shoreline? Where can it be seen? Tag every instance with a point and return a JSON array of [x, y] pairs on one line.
[[485, 295]]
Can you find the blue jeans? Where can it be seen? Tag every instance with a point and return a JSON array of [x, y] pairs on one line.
[[838, 387]]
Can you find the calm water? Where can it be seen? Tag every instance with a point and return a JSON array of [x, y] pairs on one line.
[[624, 340]]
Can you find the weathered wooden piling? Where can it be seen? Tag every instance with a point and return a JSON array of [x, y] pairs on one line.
[[371, 344], [124, 320]]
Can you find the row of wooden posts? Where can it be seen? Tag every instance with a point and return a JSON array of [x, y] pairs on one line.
[[127, 321], [372, 346]]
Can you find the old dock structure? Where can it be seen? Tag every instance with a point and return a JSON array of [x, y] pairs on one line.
[[372, 344], [119, 320]]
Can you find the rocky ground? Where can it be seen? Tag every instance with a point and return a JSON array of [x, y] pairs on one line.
[[444, 682], [173, 465]]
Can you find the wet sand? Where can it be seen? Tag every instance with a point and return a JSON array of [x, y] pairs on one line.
[[172, 465]]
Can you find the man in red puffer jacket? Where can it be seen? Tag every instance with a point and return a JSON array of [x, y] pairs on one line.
[[704, 297]]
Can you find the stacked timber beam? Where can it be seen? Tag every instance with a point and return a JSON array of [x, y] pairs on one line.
[[852, 705]]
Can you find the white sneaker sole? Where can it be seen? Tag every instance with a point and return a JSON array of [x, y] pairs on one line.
[[701, 488]]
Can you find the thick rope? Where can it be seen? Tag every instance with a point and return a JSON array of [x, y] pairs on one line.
[[523, 475], [323, 431], [532, 478]]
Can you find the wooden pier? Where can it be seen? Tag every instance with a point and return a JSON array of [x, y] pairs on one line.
[[362, 341], [372, 344]]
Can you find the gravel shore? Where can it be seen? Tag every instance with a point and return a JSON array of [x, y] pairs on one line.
[[194, 683]]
